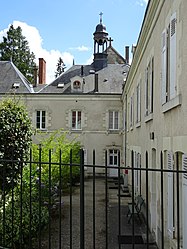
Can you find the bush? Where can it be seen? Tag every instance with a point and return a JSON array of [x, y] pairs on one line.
[[17, 220], [60, 148], [15, 140]]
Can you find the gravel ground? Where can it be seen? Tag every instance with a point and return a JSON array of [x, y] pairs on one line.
[[65, 221], [100, 225]]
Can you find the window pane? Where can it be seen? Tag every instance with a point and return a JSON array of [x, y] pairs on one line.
[[73, 119], [38, 119], [79, 120], [115, 160], [116, 121], [110, 120], [76, 119], [111, 160], [43, 119]]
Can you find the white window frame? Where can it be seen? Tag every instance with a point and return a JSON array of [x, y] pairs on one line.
[[41, 122], [113, 120], [78, 123], [169, 54], [132, 111], [149, 84], [138, 103], [114, 155]]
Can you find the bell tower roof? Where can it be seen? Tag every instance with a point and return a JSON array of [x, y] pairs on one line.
[[100, 45], [100, 28]]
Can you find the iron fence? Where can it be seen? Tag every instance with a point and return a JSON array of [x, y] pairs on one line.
[[61, 205]]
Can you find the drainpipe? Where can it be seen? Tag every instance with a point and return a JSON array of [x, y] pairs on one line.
[[125, 129], [96, 83], [127, 54]]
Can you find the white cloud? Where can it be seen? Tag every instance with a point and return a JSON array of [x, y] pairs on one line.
[[90, 60], [81, 48], [142, 2], [35, 44]]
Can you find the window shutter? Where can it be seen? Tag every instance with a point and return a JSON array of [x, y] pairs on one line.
[[170, 195], [151, 83], [146, 92], [132, 112], [173, 56], [184, 200], [163, 80]]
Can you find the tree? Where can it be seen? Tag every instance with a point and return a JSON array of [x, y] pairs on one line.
[[15, 48], [60, 67], [15, 140]]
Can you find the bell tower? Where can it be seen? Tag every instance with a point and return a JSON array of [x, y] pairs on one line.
[[100, 45]]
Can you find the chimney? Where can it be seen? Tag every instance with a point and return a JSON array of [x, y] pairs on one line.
[[127, 54], [96, 83], [82, 70], [42, 71]]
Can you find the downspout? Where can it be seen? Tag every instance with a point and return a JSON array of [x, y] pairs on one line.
[[126, 129]]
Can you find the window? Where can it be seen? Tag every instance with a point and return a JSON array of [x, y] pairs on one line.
[[113, 120], [41, 119], [169, 61], [113, 157], [132, 111], [76, 120], [138, 104], [76, 84], [149, 80]]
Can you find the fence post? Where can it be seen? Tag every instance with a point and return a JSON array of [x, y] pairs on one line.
[[119, 199], [82, 199], [106, 198], [133, 227], [70, 201], [162, 197], [147, 198], [93, 199]]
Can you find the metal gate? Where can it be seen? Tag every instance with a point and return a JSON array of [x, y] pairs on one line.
[[48, 206]]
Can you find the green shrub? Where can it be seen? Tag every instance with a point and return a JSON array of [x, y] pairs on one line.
[[15, 216], [60, 148], [16, 225], [15, 140]]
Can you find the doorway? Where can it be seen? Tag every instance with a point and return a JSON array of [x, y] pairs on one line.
[[114, 159]]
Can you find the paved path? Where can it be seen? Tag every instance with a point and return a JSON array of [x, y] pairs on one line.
[[100, 225]]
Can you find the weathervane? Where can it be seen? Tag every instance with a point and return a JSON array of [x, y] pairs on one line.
[[101, 13]]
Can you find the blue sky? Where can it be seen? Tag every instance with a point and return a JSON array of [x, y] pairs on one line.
[[65, 28]]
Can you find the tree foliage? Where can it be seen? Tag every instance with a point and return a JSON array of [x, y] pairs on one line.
[[15, 140], [15, 48], [60, 67], [57, 142]]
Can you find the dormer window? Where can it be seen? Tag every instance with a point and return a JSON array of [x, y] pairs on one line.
[[76, 84], [15, 85]]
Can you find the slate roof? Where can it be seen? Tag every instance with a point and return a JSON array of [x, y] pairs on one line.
[[110, 79], [65, 78], [12, 80]]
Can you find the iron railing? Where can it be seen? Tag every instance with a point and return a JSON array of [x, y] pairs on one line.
[[47, 206]]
